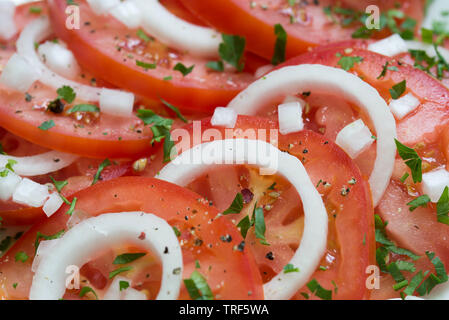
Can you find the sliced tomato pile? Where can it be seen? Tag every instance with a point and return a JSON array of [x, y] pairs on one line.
[[307, 23], [350, 239], [119, 158], [232, 270]]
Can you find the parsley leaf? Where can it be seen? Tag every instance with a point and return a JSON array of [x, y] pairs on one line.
[[347, 63], [115, 272], [280, 44], [40, 236], [145, 65], [21, 256], [290, 268], [215, 65], [128, 257], [66, 93], [231, 50], [175, 110], [197, 287], [87, 289], [420, 201], [443, 207], [412, 160], [259, 225], [244, 226], [84, 108], [236, 205], [123, 285], [319, 291], [101, 167], [47, 125], [183, 69], [398, 89]]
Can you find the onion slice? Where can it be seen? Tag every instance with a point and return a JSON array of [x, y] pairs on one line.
[[183, 170], [177, 33], [39, 164], [36, 31], [293, 79], [85, 239]]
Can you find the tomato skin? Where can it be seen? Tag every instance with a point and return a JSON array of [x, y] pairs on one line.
[[430, 117], [168, 201], [186, 94], [352, 225], [445, 145], [238, 17]]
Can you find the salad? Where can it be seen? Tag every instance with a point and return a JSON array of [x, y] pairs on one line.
[[224, 150]]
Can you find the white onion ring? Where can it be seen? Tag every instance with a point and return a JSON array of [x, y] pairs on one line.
[[39, 164], [294, 79], [36, 31], [84, 240], [238, 151]]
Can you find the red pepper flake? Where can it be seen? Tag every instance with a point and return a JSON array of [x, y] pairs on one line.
[[142, 236]]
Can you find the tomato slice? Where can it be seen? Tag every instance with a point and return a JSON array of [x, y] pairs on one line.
[[98, 137], [311, 26], [95, 46], [230, 273], [426, 123], [79, 175], [350, 216]]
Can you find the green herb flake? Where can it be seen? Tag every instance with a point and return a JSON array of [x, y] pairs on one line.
[[197, 287], [183, 69], [123, 285], [47, 125], [115, 272], [398, 89], [412, 160], [85, 290], [215, 65], [236, 205], [280, 45], [231, 50], [290, 268], [101, 167], [128, 257], [84, 108], [66, 93], [347, 63], [443, 207], [318, 290], [21, 256], [145, 65], [420, 201]]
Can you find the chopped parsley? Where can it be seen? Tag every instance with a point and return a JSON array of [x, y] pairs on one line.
[[47, 125], [443, 207], [183, 69], [290, 268], [236, 205], [72, 206], [244, 226], [87, 289], [123, 285], [398, 89], [420, 201], [197, 287], [280, 44], [145, 65], [347, 62], [101, 167], [175, 110], [21, 256], [115, 272], [66, 93], [215, 65], [128, 257], [412, 160], [84, 108], [231, 50], [143, 36], [259, 225], [40, 236], [319, 291]]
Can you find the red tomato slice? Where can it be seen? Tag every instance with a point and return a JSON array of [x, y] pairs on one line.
[[350, 216], [105, 136], [255, 21], [79, 175], [202, 90], [418, 231], [231, 274], [426, 123]]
